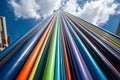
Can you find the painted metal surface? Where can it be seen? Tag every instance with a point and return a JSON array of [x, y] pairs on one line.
[[63, 47], [25, 71], [50, 65]]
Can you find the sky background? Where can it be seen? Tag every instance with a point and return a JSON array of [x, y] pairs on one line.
[[22, 15]]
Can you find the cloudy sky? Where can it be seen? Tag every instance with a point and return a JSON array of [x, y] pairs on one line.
[[22, 15]]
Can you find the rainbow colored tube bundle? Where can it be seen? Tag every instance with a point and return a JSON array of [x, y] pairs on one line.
[[63, 47]]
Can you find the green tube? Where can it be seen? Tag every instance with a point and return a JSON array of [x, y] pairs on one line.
[[50, 66], [57, 60]]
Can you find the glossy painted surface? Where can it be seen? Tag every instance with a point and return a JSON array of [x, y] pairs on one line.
[[63, 47], [92, 65], [57, 59], [80, 66], [32, 74], [25, 71], [10, 69], [50, 65]]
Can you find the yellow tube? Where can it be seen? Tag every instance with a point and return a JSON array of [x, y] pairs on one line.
[[31, 77]]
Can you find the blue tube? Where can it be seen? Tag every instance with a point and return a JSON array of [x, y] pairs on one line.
[[80, 66], [10, 69], [93, 47], [106, 51], [95, 70], [62, 61], [57, 60], [9, 51], [96, 27]]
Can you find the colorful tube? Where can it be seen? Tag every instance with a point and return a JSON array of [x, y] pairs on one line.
[[90, 61], [11, 68], [62, 60], [72, 68], [62, 47], [100, 58], [42, 63], [111, 56], [108, 37], [57, 59], [62, 65], [81, 67], [32, 74], [49, 69], [25, 71], [68, 73], [12, 49]]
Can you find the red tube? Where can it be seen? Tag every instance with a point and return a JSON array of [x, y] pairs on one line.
[[66, 59]]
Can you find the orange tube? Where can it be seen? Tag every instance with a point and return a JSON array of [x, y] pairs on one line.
[[66, 60], [25, 71]]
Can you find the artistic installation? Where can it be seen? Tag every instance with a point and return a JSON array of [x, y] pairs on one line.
[[62, 47]]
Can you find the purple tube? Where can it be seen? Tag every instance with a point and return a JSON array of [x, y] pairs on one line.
[[81, 68]]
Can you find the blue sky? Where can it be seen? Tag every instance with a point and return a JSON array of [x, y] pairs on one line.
[[21, 17]]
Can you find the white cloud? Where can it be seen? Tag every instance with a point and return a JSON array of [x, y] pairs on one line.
[[95, 11], [71, 6], [34, 8], [25, 8]]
